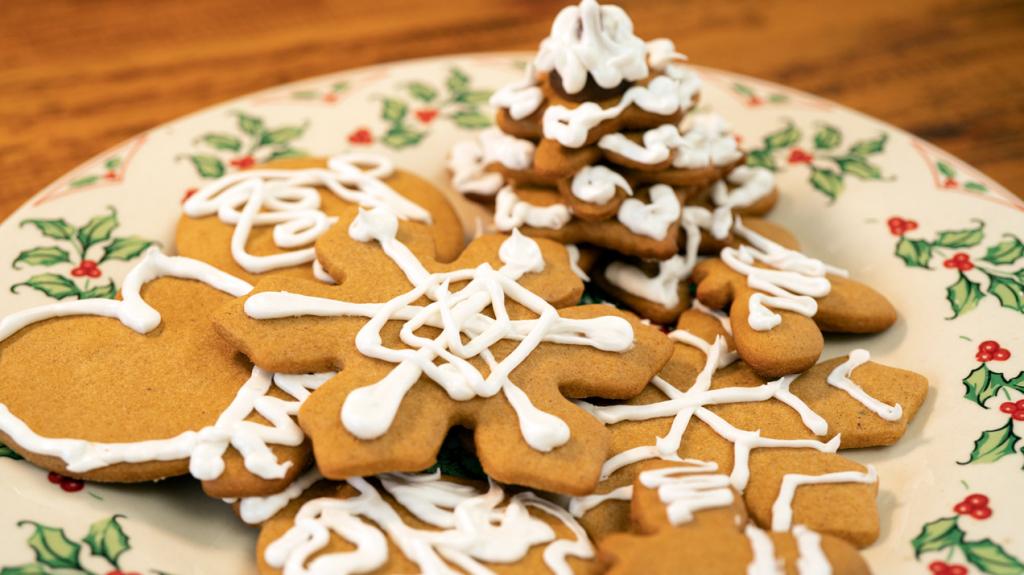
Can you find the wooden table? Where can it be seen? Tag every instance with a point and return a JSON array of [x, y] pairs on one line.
[[78, 77]]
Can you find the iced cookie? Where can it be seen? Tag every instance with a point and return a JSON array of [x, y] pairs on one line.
[[506, 376], [146, 389], [264, 220]]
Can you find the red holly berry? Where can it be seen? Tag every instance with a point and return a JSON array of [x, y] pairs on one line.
[[981, 512], [243, 162], [899, 226], [330, 98], [983, 356], [798, 156], [1020, 404], [950, 183], [1001, 354], [738, 138], [977, 500], [361, 136], [956, 570], [1018, 415], [754, 101], [110, 175], [962, 508], [960, 261], [938, 567], [989, 346], [72, 485], [910, 225], [426, 115], [1008, 407], [55, 477], [188, 194]]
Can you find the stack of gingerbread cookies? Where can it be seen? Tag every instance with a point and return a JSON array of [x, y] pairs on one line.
[[327, 356]]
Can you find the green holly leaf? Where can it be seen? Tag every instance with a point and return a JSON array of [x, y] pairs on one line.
[[778, 98], [743, 90], [402, 138], [251, 125], [783, 138], [52, 547], [474, 97], [945, 169], [858, 167], [8, 452], [914, 253], [994, 444], [107, 539], [458, 82], [761, 159], [305, 95], [1005, 252], [868, 147], [112, 163], [281, 153], [827, 137], [394, 111], [97, 230], [963, 295], [108, 291], [983, 384], [961, 238], [86, 181], [422, 92], [56, 229], [975, 187], [125, 249], [207, 166], [827, 181], [990, 558], [28, 569], [937, 535], [222, 142], [282, 136], [43, 256], [339, 87], [53, 285], [1008, 291], [471, 119]]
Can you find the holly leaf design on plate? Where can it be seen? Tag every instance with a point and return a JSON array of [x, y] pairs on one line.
[[401, 138], [394, 111], [983, 384], [125, 249], [8, 452], [963, 295], [914, 253], [827, 181], [827, 137], [937, 535], [991, 558], [29, 569], [474, 97], [282, 136], [994, 444], [52, 547], [207, 166], [108, 291], [42, 256], [945, 169], [53, 285], [458, 82], [1008, 291], [107, 539], [961, 238], [286, 153], [868, 147], [251, 125], [57, 229], [471, 119], [1005, 252], [222, 142], [783, 138], [761, 159], [859, 167], [97, 230], [422, 92]]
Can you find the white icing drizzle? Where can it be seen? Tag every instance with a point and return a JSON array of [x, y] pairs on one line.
[[289, 201], [662, 289], [469, 159], [656, 146], [574, 262], [661, 53], [750, 185], [687, 489], [321, 274], [764, 561], [522, 98], [593, 40], [840, 378], [256, 510], [811, 558], [471, 528], [597, 184], [510, 212], [652, 220], [710, 141], [369, 411], [782, 509], [792, 282], [205, 447]]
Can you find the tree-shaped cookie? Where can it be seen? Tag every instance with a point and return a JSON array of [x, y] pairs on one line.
[[423, 346], [265, 220], [143, 388], [780, 301], [687, 519], [775, 439], [424, 523]]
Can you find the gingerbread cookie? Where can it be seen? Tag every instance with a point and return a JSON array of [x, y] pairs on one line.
[[146, 389], [506, 382], [423, 523], [771, 437], [687, 519], [264, 220]]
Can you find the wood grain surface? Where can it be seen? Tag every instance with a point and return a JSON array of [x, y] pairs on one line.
[[77, 77]]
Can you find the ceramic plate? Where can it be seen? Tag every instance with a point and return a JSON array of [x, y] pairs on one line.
[[940, 239]]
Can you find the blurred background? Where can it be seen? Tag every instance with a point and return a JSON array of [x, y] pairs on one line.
[[77, 77]]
